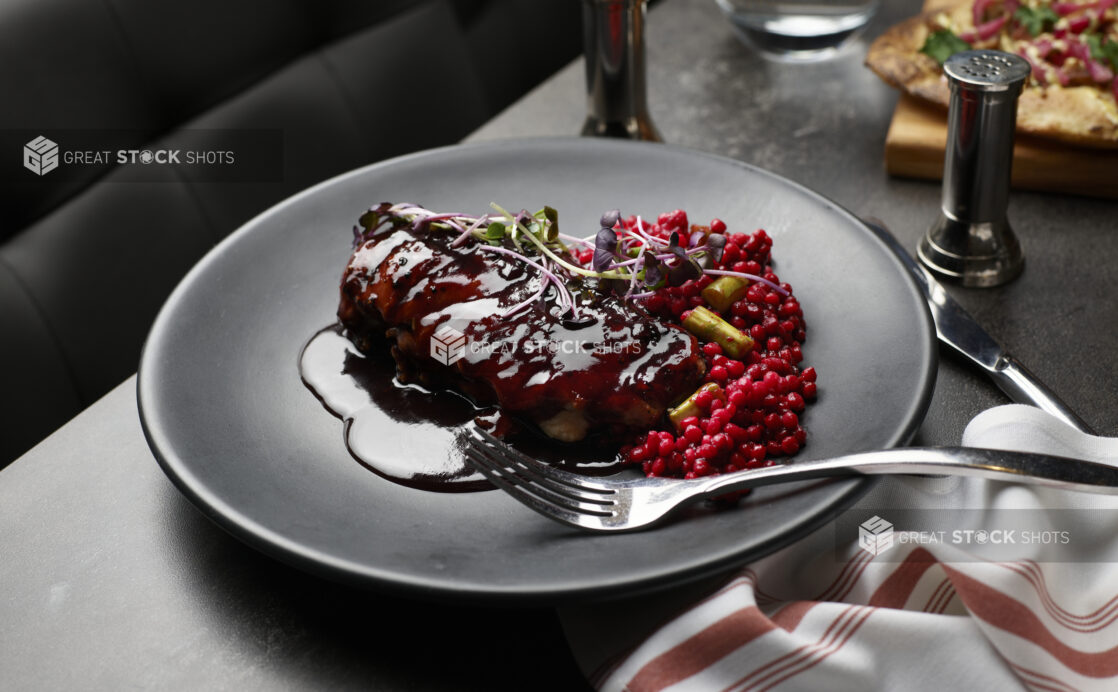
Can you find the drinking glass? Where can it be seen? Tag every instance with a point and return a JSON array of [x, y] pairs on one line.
[[798, 30]]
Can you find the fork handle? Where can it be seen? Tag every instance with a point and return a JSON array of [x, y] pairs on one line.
[[1017, 467]]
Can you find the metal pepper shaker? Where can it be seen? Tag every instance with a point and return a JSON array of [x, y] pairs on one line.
[[972, 241], [613, 35]]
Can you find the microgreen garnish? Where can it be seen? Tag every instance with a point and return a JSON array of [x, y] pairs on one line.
[[653, 272], [716, 242], [605, 242], [687, 268], [495, 231], [628, 261]]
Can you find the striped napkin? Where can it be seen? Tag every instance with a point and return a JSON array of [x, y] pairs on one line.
[[829, 613]]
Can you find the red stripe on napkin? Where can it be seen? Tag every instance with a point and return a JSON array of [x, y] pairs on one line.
[[807, 656], [1011, 615], [846, 579], [611, 664], [702, 650], [1041, 681], [895, 591], [934, 601], [862, 617], [1100, 618], [789, 617]]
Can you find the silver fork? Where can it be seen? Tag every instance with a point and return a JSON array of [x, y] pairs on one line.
[[615, 504]]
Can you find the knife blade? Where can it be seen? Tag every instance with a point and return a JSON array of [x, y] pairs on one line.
[[959, 330]]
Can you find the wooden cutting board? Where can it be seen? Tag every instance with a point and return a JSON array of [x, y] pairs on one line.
[[914, 147]]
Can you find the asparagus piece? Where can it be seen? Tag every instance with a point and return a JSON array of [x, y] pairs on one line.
[[708, 326], [690, 408], [724, 292]]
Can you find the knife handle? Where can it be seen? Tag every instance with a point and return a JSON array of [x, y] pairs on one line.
[[1022, 386]]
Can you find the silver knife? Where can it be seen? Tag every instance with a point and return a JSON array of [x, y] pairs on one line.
[[956, 328]]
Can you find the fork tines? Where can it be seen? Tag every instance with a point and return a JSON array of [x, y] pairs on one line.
[[542, 487]]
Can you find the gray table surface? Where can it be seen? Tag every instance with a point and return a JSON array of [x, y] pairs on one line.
[[109, 579]]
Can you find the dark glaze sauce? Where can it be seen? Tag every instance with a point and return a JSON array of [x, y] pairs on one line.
[[596, 377], [411, 435], [616, 365]]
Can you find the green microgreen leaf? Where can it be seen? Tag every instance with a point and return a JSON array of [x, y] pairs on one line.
[[552, 217], [495, 231]]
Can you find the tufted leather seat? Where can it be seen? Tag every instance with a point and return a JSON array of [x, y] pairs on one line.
[[86, 262]]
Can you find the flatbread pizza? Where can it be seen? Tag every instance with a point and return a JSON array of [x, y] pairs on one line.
[[1072, 93]]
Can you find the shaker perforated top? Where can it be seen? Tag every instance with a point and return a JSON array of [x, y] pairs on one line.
[[987, 70]]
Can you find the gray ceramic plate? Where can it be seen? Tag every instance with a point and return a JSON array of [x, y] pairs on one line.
[[233, 426]]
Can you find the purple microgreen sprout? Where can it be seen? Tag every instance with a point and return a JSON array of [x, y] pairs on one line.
[[653, 271], [751, 277], [687, 268], [469, 230], [548, 252], [633, 272], [566, 300], [716, 242], [634, 265], [645, 236], [604, 244]]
